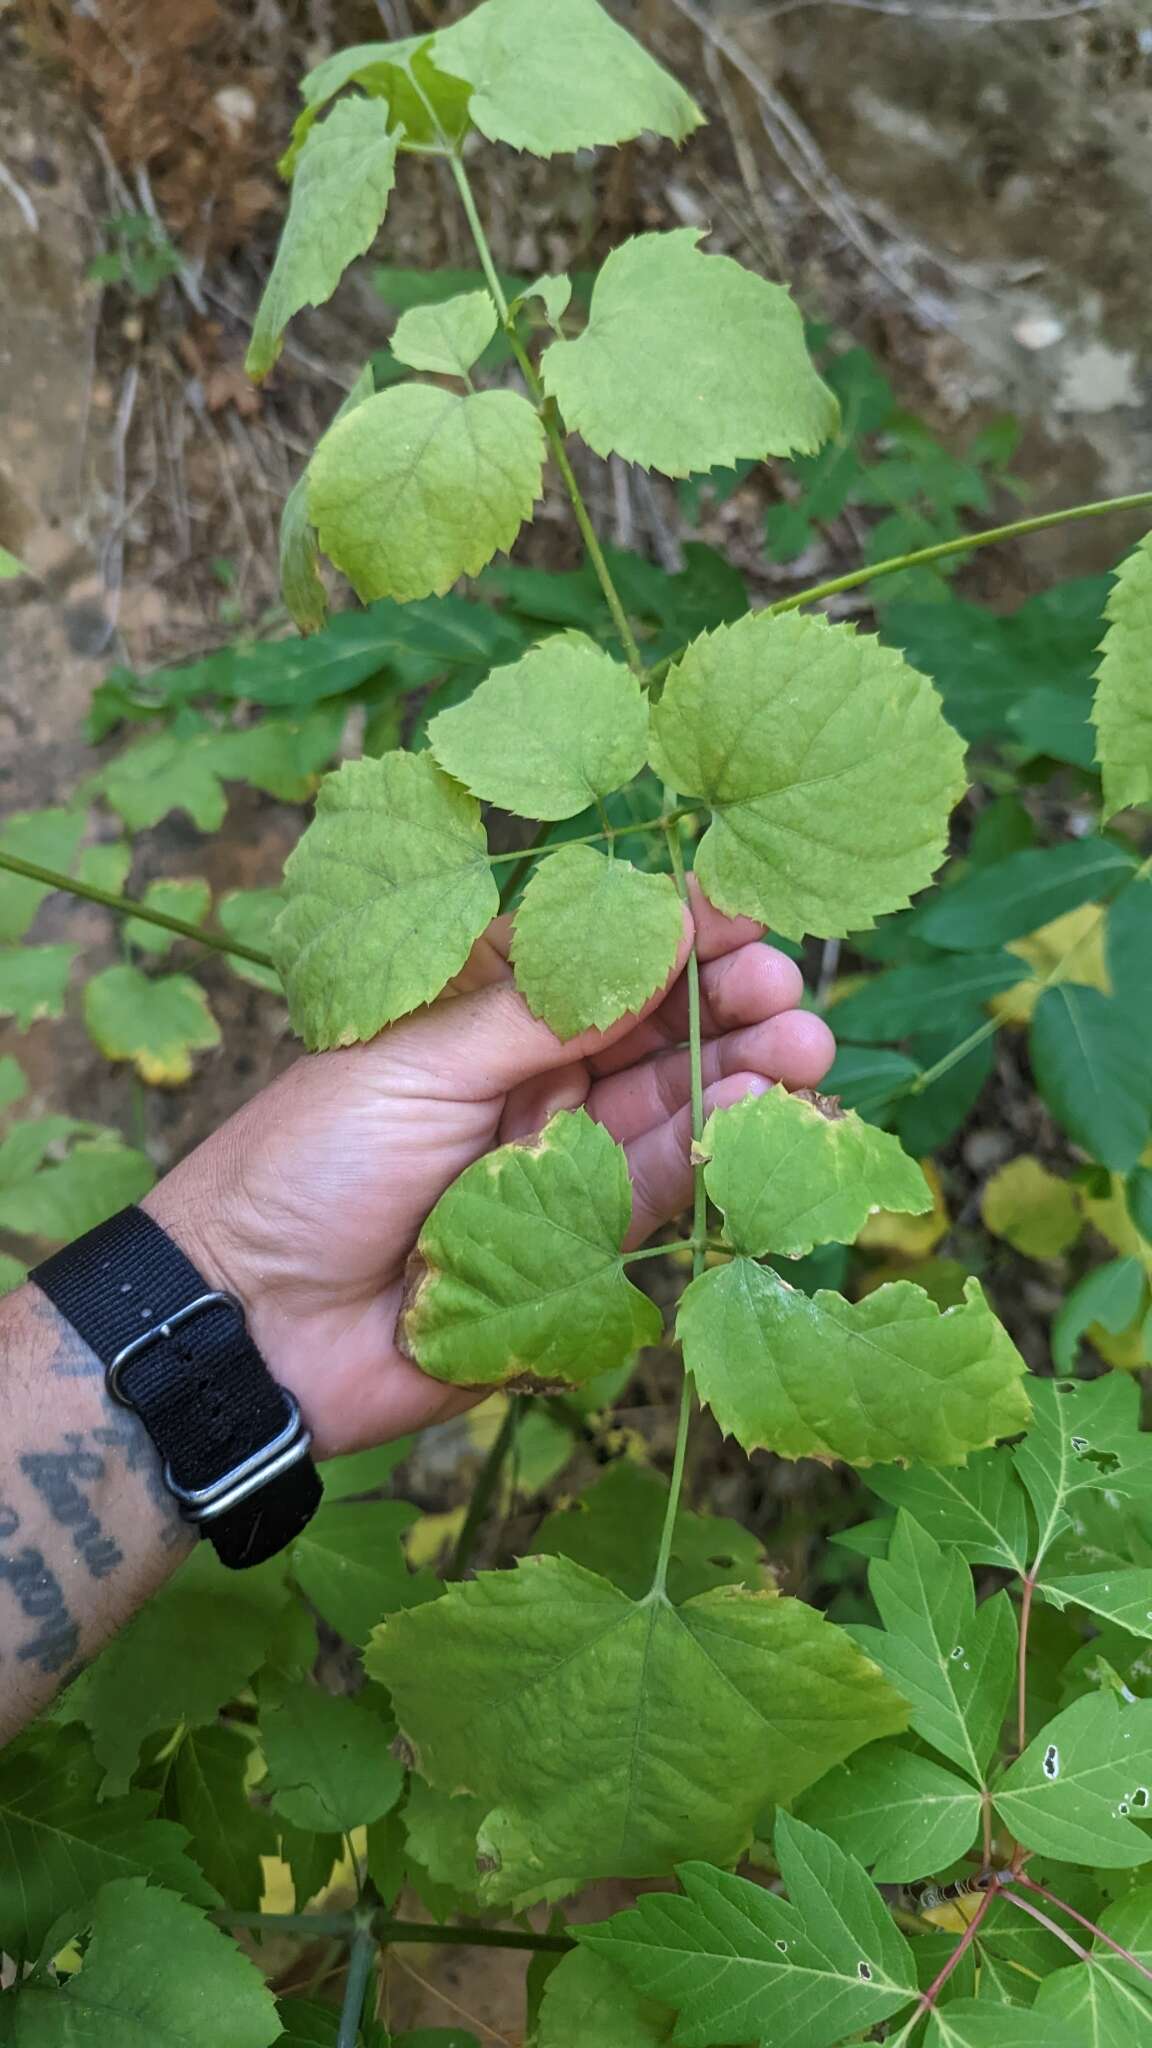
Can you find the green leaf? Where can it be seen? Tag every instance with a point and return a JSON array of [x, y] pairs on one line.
[[207, 1790], [982, 1510], [588, 2000], [688, 361], [13, 1082], [386, 894], [736, 1962], [972, 2023], [1019, 894], [440, 1831], [423, 99], [1085, 1438], [1124, 1597], [1121, 711], [1128, 953], [447, 337], [47, 838], [1093, 1066], [931, 997], [34, 981], [520, 1276], [953, 1661], [562, 1684], [419, 486], [183, 1657], [794, 1171], [594, 938], [828, 766], [329, 1760], [10, 568], [868, 1080], [1112, 1294], [580, 721], [1071, 1792], [157, 1024], [189, 899], [155, 1974], [61, 1841], [96, 1177], [820, 1377], [340, 193], [1109, 2000], [12, 1274], [555, 295], [300, 582], [363, 1471], [168, 772], [901, 1814], [574, 80], [249, 915], [350, 1563], [614, 1529]]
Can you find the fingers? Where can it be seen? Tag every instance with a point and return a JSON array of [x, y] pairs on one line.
[[529, 1106], [745, 986], [659, 1161], [796, 1049]]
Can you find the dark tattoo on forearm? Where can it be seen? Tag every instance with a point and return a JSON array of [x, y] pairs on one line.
[[54, 1646], [141, 1455], [56, 1476]]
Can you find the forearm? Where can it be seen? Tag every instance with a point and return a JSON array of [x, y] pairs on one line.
[[87, 1530]]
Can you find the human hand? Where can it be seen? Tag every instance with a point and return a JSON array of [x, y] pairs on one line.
[[307, 1204]]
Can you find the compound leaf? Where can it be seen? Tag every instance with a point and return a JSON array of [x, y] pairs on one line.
[[1071, 1793], [386, 894], [815, 1376], [1085, 1438], [561, 1684], [548, 734], [343, 182], [953, 1661], [615, 1527], [935, 996], [157, 1024], [794, 1171], [1122, 708], [419, 486], [737, 1963], [518, 1274], [33, 982], [562, 79], [1093, 1066], [828, 765], [330, 1766], [447, 337], [977, 2023], [688, 361], [1108, 2000], [982, 1510], [1124, 1597], [156, 1974], [901, 1814], [587, 1999], [594, 937]]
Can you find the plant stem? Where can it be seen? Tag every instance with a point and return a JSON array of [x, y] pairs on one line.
[[484, 1491], [360, 1961], [385, 1930], [539, 840], [1082, 1921], [548, 420], [127, 906], [961, 1949], [1034, 1913], [660, 1251], [1022, 1663], [963, 546]]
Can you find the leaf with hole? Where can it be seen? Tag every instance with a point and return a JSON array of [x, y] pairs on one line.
[[688, 361], [1082, 1783], [828, 767]]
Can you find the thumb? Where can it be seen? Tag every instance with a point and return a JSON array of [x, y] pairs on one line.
[[481, 1044]]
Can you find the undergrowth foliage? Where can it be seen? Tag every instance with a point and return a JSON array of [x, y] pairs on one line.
[[942, 1809]]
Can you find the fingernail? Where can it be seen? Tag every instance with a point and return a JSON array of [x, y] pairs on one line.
[[759, 1086]]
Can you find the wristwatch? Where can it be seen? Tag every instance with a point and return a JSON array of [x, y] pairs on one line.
[[232, 1442]]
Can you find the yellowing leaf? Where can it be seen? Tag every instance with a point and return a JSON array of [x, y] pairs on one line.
[[1071, 948], [688, 361], [446, 337], [911, 1236], [593, 938], [1031, 1209], [1122, 709], [1111, 1216], [34, 981], [340, 194], [826, 761], [419, 486], [385, 896], [156, 1024]]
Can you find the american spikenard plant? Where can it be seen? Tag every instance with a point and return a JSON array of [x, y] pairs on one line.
[[636, 1699]]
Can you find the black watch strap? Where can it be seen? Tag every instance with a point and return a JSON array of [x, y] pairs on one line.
[[233, 1446]]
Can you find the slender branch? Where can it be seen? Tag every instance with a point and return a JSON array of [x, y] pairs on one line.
[[360, 1962], [987, 537], [1034, 1913], [484, 1491], [549, 421], [1082, 1921], [1022, 1663], [961, 1949], [127, 906], [385, 1930], [660, 1251]]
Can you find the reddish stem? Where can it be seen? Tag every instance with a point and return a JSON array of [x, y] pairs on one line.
[[970, 1932], [986, 1825], [1022, 1665], [1082, 1921], [1034, 1913]]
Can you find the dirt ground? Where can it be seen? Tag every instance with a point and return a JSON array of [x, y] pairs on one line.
[[962, 186]]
